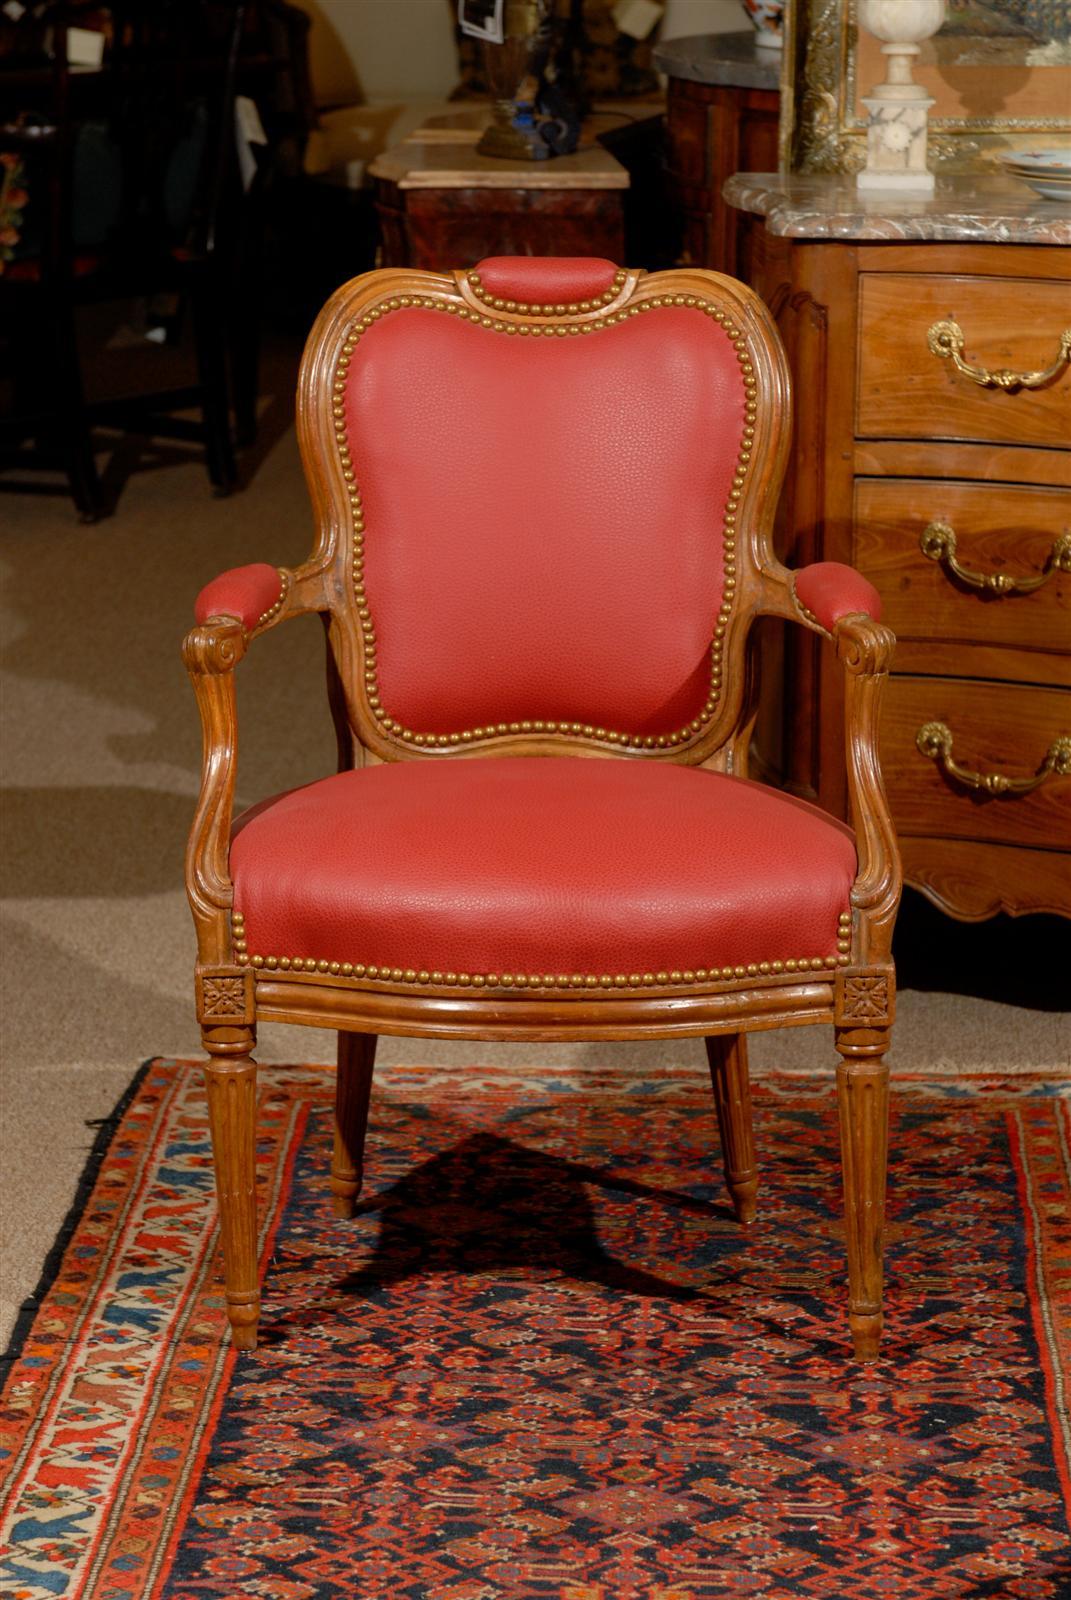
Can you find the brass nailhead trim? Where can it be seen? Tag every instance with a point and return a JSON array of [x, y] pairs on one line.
[[493, 980], [273, 611], [805, 611], [662, 741], [558, 981], [844, 936]]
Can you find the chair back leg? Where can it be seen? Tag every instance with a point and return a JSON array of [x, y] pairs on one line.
[[727, 1055], [356, 1059], [231, 1082], [863, 1100]]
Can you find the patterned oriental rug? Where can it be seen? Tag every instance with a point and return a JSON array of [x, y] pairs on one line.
[[544, 1363]]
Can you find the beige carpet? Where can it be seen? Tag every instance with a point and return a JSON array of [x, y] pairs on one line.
[[101, 766]]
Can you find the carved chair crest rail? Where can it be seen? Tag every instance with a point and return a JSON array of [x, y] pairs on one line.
[[543, 492]]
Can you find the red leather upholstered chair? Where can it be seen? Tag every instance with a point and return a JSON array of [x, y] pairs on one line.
[[543, 493]]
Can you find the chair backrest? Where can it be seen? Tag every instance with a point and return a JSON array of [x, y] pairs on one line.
[[544, 490]]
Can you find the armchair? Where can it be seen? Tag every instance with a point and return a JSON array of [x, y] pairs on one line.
[[543, 491]]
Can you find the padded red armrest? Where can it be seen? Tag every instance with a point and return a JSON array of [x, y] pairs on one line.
[[829, 590], [243, 592]]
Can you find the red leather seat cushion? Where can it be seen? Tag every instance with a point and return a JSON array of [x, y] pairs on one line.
[[550, 866]]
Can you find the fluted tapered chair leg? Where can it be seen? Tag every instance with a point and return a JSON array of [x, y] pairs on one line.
[[727, 1054], [231, 1082], [863, 1099], [356, 1059]]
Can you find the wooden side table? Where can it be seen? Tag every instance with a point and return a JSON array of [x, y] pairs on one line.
[[443, 206]]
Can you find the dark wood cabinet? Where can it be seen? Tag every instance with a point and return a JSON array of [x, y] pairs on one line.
[[441, 205], [440, 229], [713, 131], [721, 118]]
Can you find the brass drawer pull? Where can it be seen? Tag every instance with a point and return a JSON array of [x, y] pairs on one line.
[[938, 542], [946, 340], [934, 739]]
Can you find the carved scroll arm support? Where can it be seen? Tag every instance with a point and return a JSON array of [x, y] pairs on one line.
[[211, 651], [865, 648]]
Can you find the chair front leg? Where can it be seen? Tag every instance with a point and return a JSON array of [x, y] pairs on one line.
[[231, 1081], [863, 1100], [356, 1058], [727, 1055]]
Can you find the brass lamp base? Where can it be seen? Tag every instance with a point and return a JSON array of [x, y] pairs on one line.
[[513, 136]]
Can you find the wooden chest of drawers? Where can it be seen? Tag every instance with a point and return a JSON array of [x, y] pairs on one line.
[[933, 451]]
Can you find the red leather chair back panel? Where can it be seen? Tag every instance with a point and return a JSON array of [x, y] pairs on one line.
[[544, 516]]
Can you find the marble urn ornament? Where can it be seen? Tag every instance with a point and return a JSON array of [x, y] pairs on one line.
[[898, 109]]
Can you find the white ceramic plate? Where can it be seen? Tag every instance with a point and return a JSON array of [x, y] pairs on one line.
[[1049, 188], [1045, 163], [1050, 175]]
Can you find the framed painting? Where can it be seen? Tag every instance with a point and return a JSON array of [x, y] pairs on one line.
[[999, 72]]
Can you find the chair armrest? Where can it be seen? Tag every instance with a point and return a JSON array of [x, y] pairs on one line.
[[838, 602], [252, 595], [865, 648], [211, 651], [230, 611], [828, 591]]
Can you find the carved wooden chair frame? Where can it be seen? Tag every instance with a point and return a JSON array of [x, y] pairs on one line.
[[853, 990]]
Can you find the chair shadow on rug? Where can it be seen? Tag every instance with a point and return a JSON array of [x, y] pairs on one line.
[[544, 492], [520, 1217], [489, 1204]]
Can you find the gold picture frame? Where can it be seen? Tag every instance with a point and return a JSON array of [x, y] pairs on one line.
[[999, 80]]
